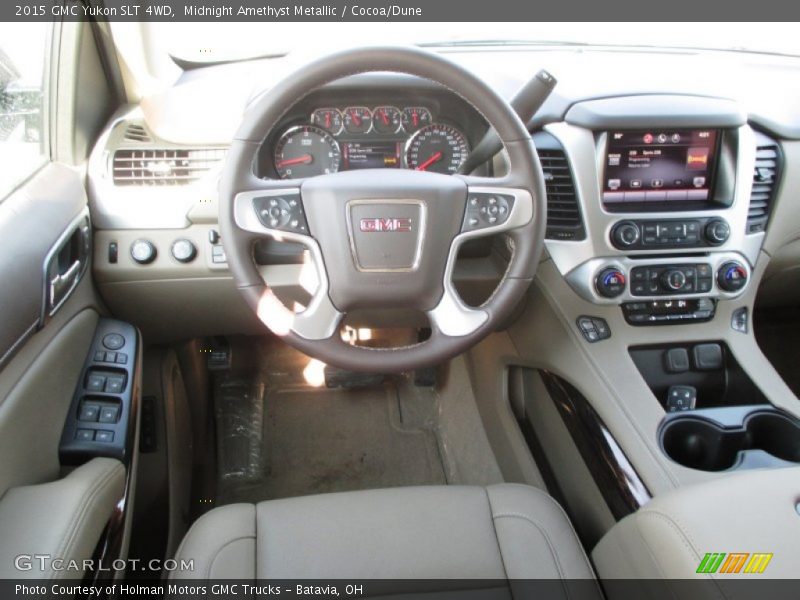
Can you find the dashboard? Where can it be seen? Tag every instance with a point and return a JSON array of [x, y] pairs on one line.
[[660, 199], [359, 130]]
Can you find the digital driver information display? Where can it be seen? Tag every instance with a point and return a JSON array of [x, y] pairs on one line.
[[371, 155], [660, 166]]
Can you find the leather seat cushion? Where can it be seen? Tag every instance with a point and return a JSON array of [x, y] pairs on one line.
[[504, 531]]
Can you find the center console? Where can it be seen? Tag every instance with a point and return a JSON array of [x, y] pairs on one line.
[[665, 196]]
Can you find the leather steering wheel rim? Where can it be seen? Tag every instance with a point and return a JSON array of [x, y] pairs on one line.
[[240, 228]]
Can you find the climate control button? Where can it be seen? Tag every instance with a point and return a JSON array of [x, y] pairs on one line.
[[674, 279], [732, 276], [610, 282]]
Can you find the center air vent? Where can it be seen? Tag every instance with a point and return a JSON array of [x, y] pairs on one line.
[[564, 220], [177, 166], [765, 178]]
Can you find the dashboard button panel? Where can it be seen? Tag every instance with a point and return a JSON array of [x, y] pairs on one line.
[[648, 234], [669, 312], [660, 280]]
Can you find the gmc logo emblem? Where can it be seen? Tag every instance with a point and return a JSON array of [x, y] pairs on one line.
[[381, 225]]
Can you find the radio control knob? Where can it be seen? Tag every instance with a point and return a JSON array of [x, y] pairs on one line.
[[625, 234], [732, 276], [674, 279], [143, 251], [610, 283], [717, 232]]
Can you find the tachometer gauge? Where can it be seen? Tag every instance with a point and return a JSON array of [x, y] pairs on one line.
[[437, 148], [357, 119], [387, 119], [306, 151], [415, 117], [330, 119]]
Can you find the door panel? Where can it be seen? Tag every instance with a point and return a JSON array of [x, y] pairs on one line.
[[32, 220]]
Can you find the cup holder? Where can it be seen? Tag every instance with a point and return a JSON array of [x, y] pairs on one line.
[[699, 443]]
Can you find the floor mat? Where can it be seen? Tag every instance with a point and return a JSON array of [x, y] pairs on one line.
[[279, 438]]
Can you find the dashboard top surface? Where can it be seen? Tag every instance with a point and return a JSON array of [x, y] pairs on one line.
[[205, 105]]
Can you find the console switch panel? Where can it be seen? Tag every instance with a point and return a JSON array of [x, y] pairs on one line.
[[681, 397]]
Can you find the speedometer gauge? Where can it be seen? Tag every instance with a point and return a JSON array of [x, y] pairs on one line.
[[437, 148], [306, 151]]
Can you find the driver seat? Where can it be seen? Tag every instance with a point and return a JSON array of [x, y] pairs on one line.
[[506, 531]]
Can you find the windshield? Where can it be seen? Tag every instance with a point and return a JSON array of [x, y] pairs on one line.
[[235, 41]]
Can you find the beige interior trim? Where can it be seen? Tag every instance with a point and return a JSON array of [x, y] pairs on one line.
[[63, 519]]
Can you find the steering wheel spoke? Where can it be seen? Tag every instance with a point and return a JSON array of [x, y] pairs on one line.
[[277, 212]]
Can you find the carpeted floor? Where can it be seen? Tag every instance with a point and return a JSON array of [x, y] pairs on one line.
[[278, 437]]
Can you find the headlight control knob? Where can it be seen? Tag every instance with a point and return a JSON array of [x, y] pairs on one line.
[[143, 251], [610, 282], [732, 276], [183, 251]]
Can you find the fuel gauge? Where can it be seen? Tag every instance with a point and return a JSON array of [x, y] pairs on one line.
[[330, 119]]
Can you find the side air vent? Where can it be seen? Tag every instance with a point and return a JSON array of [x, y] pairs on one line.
[[564, 220], [177, 166], [765, 182], [137, 133]]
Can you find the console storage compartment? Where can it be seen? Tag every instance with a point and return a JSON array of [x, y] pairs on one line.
[[731, 439]]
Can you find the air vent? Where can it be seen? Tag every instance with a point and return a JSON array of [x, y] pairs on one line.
[[137, 133], [563, 212], [765, 178], [177, 166]]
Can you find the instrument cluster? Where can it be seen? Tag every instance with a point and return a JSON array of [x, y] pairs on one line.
[[362, 137]]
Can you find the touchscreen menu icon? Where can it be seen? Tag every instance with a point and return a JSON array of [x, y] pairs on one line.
[[697, 159]]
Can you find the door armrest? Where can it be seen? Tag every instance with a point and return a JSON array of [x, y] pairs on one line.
[[63, 519]]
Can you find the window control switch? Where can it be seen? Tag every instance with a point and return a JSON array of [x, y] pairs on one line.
[[95, 383], [89, 412], [109, 414], [115, 384], [104, 436], [84, 435]]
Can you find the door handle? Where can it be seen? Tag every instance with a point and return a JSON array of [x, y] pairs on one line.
[[62, 283], [65, 264]]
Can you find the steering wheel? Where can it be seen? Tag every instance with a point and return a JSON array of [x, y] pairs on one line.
[[382, 238]]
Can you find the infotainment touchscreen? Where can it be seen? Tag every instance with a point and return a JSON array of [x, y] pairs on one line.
[[659, 165]]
